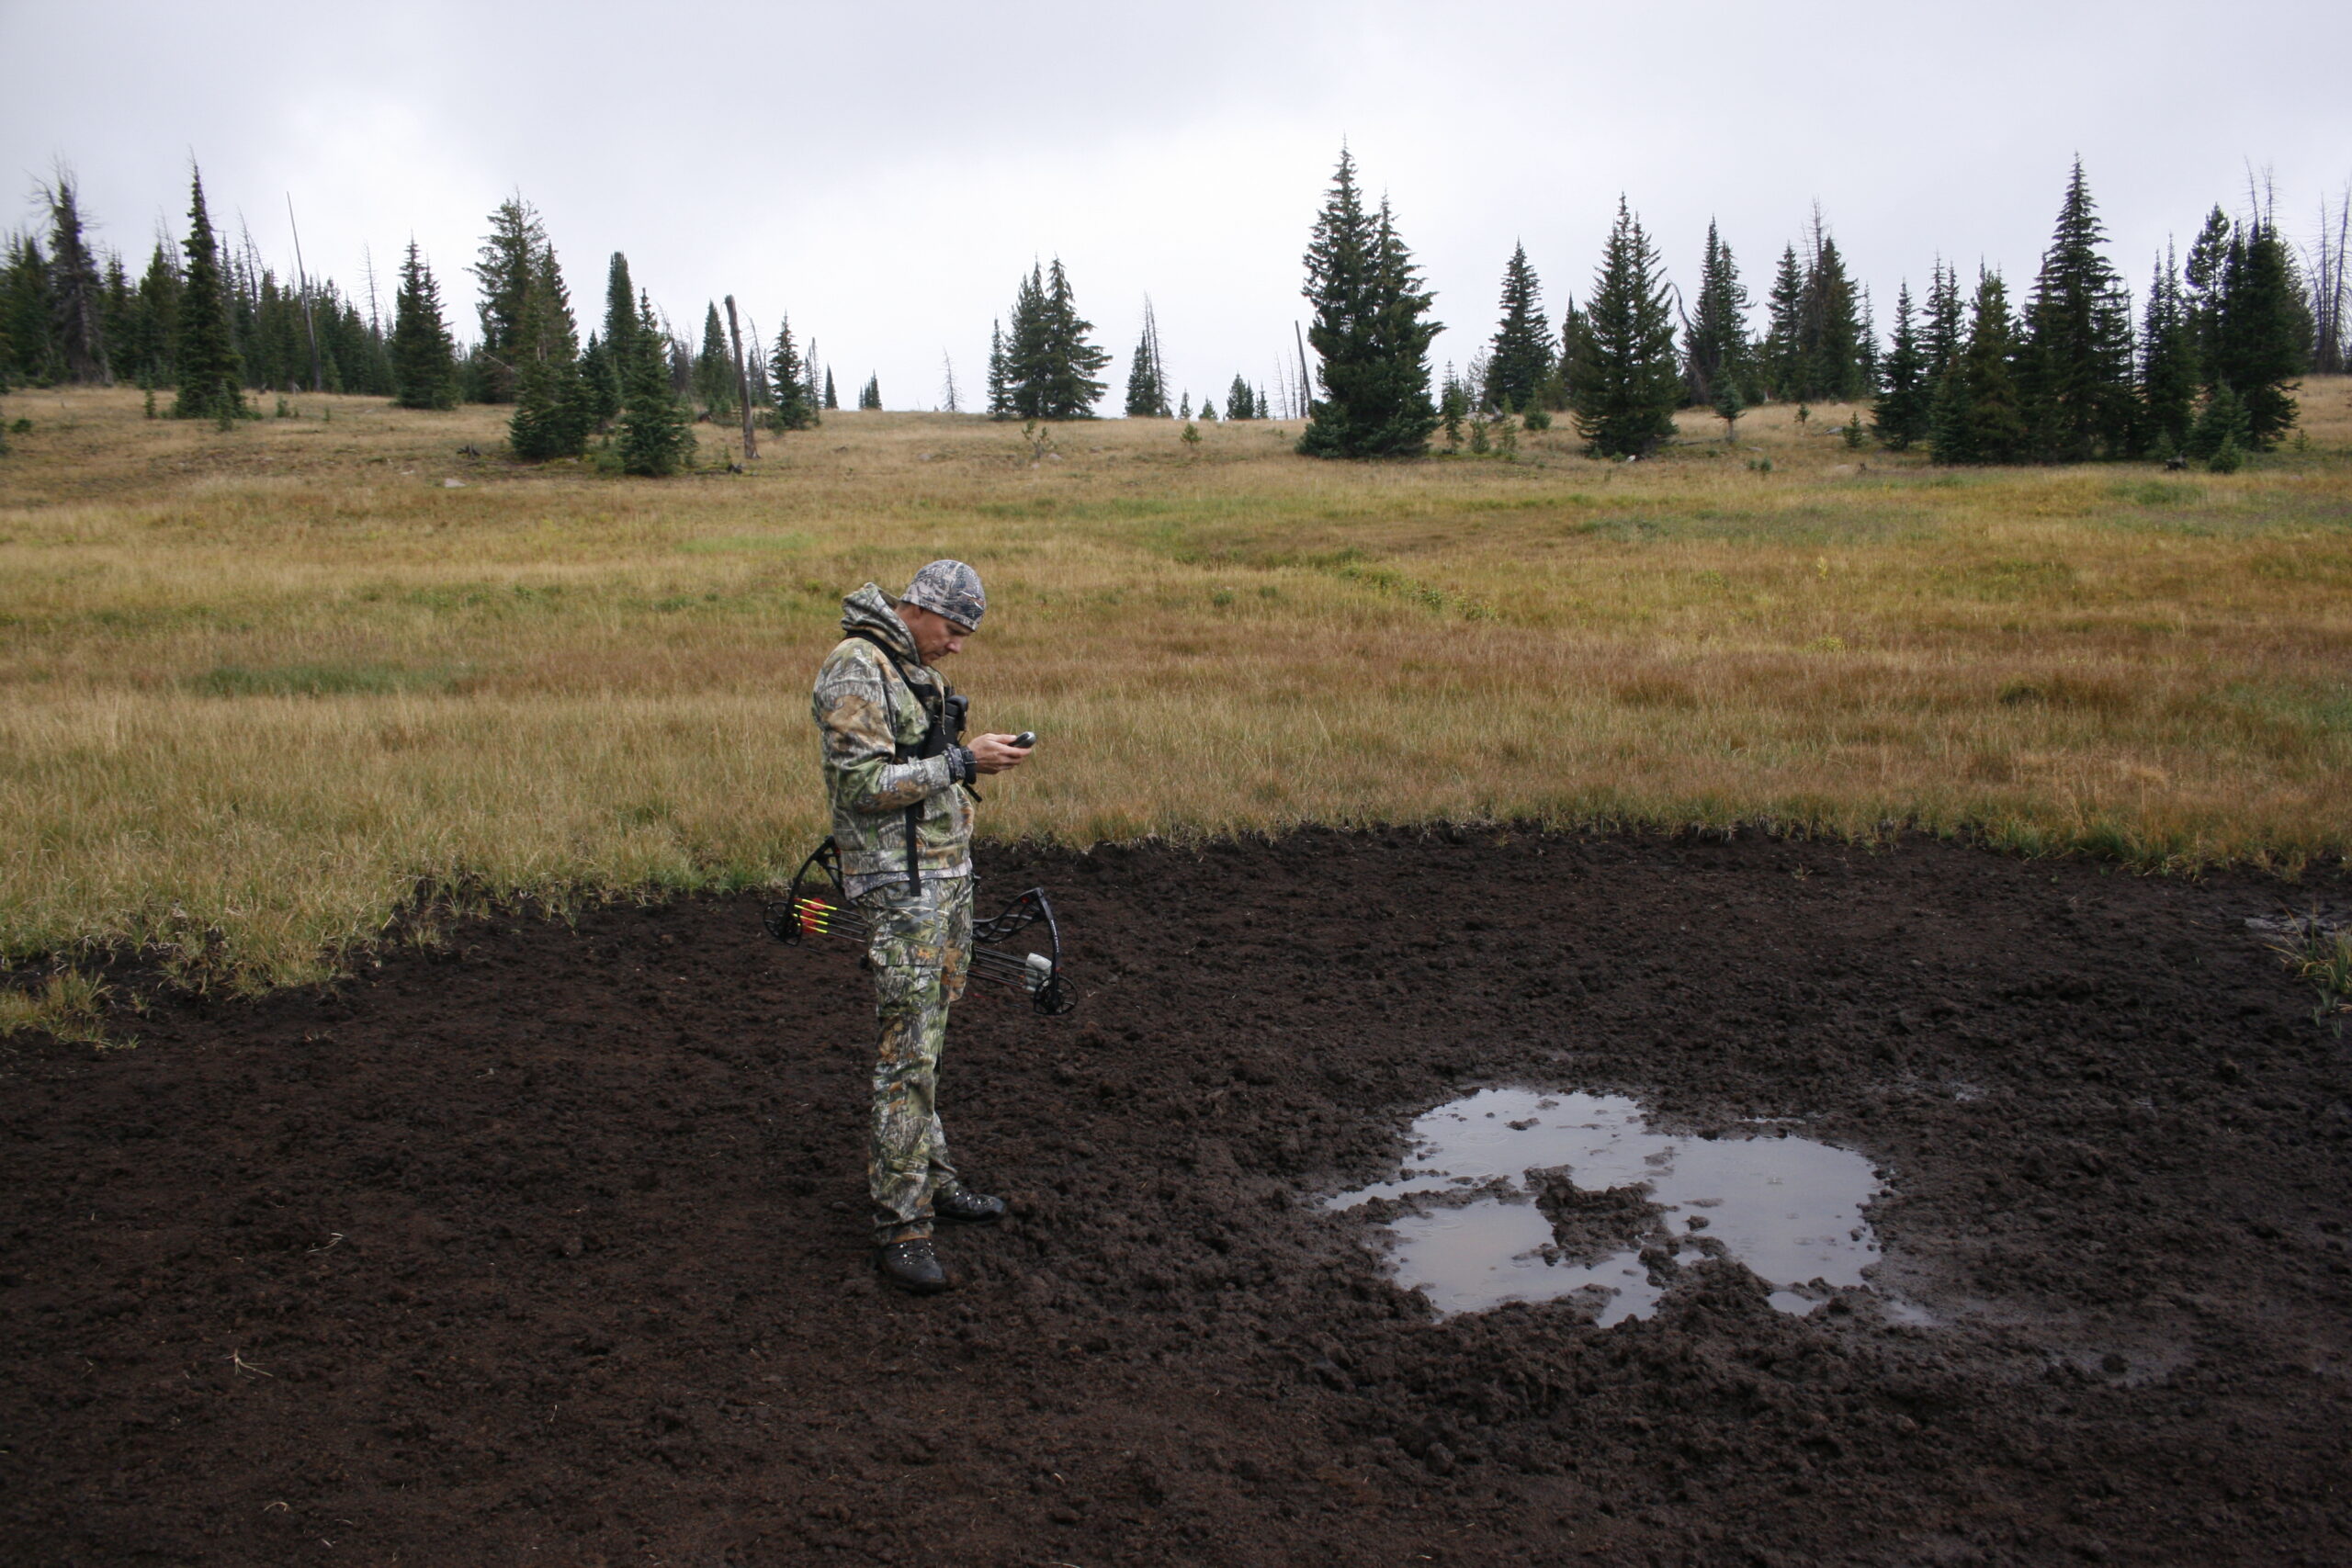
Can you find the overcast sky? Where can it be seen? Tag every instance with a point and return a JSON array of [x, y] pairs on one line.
[[888, 171]]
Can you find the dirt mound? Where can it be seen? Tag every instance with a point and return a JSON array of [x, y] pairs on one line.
[[549, 1248]]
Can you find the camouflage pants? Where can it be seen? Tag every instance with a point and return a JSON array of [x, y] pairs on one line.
[[920, 950]]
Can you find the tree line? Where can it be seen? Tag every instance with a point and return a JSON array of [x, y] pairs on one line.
[[209, 322], [2205, 366]]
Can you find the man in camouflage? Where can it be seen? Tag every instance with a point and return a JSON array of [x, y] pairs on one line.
[[898, 782]]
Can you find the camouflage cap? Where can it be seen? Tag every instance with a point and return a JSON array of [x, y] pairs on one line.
[[949, 588]]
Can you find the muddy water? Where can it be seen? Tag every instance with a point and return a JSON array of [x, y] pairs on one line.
[[1470, 1233]]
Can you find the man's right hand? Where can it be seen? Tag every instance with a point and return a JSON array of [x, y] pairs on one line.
[[997, 753]]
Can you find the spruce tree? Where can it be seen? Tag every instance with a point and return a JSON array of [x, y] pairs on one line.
[[657, 433], [27, 315], [2169, 371], [1574, 332], [621, 314], [1716, 344], [2222, 433], [1729, 405], [505, 268], [1944, 333], [1782, 368], [77, 293], [870, 395], [832, 402], [714, 386], [1979, 413], [1628, 385], [2262, 340], [1147, 378], [1452, 407], [795, 409], [425, 361], [2075, 367], [1000, 374], [1369, 305], [1240, 402], [212, 375], [1900, 416], [2208, 259], [1830, 357], [1071, 391], [554, 405], [1521, 357], [155, 320], [600, 380]]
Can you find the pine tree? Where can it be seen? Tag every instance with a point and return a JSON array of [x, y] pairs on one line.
[[2262, 341], [2076, 367], [425, 361], [832, 402], [1208, 411], [2168, 372], [1147, 378], [1716, 339], [1900, 416], [1979, 413], [870, 395], [657, 435], [1628, 384], [1521, 354], [795, 409], [1782, 356], [1240, 402], [1369, 331], [1452, 407], [211, 376], [77, 293]]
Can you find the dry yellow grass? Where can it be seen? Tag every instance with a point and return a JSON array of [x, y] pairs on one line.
[[257, 687]]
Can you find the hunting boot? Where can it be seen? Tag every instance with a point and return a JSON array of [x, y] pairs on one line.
[[912, 1266], [966, 1207]]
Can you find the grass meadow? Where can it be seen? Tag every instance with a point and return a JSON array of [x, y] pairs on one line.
[[263, 690]]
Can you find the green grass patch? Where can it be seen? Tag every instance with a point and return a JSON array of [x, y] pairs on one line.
[[327, 678]]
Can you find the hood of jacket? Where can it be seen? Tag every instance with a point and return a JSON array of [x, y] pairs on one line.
[[870, 610]]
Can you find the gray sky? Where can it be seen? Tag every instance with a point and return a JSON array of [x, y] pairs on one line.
[[887, 172]]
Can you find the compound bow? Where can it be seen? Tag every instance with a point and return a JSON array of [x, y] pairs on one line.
[[825, 910]]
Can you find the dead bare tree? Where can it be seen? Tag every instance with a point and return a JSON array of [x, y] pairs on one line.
[[2330, 286], [742, 381]]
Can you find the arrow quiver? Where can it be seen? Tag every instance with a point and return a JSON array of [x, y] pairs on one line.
[[818, 906]]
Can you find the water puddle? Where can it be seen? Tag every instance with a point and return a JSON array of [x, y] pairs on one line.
[[1516, 1195]]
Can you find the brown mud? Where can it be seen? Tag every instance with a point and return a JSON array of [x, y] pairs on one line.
[[548, 1247]]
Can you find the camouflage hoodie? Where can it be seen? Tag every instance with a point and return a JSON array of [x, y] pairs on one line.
[[862, 709]]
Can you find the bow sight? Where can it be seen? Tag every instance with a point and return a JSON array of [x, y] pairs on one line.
[[817, 906]]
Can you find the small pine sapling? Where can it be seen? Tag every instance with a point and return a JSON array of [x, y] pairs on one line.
[[1729, 406]]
